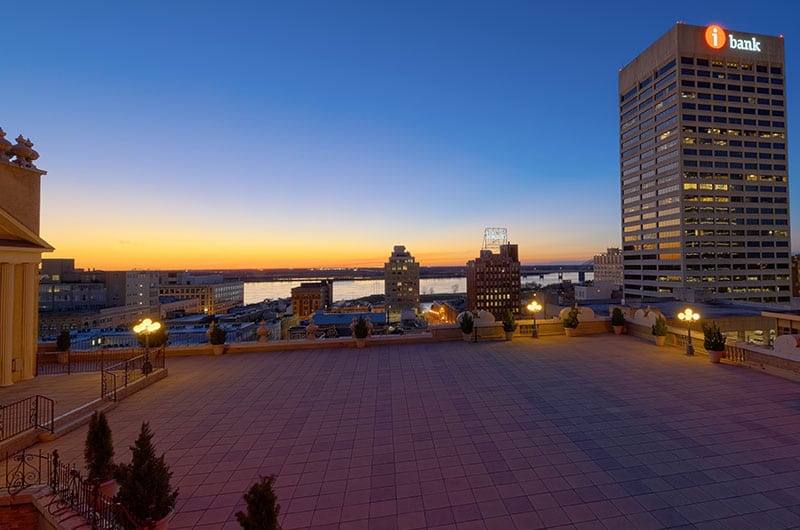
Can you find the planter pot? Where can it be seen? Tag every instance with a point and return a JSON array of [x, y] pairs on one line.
[[162, 524], [62, 357], [569, 332], [509, 335], [618, 329], [360, 343], [466, 336], [109, 488], [219, 349], [714, 356], [660, 340]]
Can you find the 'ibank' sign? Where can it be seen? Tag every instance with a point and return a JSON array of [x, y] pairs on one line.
[[716, 39]]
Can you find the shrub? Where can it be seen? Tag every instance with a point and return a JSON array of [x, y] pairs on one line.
[[262, 507], [509, 323], [217, 335], [155, 339], [713, 339], [617, 318], [571, 320], [144, 484], [98, 452], [660, 327], [360, 328], [467, 322], [64, 341]]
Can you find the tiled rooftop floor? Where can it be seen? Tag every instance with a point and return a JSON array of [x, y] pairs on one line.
[[587, 432]]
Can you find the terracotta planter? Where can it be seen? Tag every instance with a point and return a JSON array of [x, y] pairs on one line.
[[109, 488], [360, 343], [715, 356], [509, 335], [660, 340], [162, 524], [618, 329], [62, 357], [466, 336], [569, 332], [219, 349]]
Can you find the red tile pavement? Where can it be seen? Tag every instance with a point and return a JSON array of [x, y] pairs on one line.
[[586, 432]]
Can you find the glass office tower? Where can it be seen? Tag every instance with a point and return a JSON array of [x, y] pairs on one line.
[[704, 170]]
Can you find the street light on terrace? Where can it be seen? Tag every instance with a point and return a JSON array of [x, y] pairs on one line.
[[146, 327], [689, 316], [534, 307]]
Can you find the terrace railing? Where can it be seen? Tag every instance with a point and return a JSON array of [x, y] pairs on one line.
[[82, 361], [120, 375], [70, 491], [35, 412]]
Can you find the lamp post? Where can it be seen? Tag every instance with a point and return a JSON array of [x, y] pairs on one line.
[[147, 327], [689, 316], [534, 307]]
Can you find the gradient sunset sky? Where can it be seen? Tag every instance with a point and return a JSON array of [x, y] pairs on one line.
[[321, 134]]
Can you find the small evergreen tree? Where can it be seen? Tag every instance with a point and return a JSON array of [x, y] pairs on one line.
[[155, 339], [64, 341], [144, 484], [98, 452], [262, 507], [467, 323]]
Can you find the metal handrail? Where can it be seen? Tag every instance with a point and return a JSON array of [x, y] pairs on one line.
[[35, 412], [130, 371]]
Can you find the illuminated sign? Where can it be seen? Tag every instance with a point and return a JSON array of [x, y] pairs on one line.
[[715, 36], [716, 39]]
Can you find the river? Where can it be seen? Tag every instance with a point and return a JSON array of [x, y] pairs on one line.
[[354, 289]]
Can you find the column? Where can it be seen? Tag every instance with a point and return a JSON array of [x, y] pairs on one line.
[[30, 331], [6, 322]]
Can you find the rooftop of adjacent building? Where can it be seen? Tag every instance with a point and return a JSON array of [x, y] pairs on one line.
[[598, 431]]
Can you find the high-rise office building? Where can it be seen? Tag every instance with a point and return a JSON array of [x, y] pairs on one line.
[[494, 283], [704, 174], [608, 267], [401, 282], [310, 296]]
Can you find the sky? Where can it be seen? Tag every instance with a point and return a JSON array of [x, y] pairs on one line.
[[259, 134]]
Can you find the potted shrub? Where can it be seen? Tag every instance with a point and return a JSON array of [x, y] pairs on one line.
[[216, 337], [98, 453], [467, 324], [360, 331], [63, 344], [571, 320], [144, 484], [713, 341], [509, 324], [660, 330], [617, 321], [262, 507]]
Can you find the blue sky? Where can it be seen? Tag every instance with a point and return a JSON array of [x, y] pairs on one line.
[[261, 134]]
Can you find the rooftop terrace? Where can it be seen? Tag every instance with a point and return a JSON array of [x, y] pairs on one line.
[[587, 432]]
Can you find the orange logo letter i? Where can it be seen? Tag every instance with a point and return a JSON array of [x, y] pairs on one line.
[[715, 36]]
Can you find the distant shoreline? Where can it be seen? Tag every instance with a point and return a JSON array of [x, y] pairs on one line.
[[370, 273]]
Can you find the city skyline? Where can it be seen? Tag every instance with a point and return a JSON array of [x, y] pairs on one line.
[[322, 135]]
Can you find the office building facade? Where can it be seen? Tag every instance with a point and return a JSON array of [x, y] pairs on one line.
[[704, 170], [401, 282], [308, 297], [607, 267], [494, 283]]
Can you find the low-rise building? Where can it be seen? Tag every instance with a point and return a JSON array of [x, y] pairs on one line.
[[494, 283], [308, 297]]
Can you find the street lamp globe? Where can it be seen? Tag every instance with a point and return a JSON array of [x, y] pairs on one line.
[[689, 316]]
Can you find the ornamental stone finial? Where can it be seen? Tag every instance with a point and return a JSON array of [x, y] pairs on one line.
[[24, 153], [5, 147]]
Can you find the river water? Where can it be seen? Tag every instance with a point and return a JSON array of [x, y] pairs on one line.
[[354, 289]]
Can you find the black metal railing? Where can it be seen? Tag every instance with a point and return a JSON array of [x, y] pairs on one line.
[[122, 374], [70, 362], [35, 412], [71, 492]]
